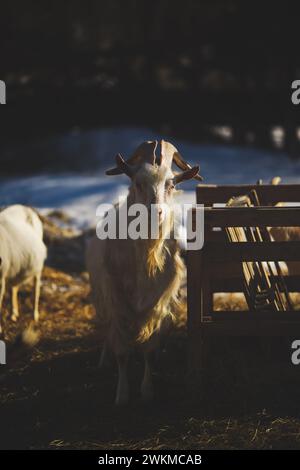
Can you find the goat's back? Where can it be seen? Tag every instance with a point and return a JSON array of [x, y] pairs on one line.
[[22, 249], [18, 213]]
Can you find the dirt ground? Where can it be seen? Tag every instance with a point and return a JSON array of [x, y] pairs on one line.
[[56, 397]]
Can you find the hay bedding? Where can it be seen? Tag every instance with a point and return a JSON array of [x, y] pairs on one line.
[[57, 398]]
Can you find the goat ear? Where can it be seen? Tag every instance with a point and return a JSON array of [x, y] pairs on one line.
[[122, 167], [187, 175]]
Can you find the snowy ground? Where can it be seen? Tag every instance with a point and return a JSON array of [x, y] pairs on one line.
[[79, 192]]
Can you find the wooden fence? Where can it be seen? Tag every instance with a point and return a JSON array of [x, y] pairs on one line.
[[217, 267]]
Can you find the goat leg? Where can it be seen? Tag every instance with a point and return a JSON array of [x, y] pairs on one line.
[[14, 303], [37, 291], [2, 292]]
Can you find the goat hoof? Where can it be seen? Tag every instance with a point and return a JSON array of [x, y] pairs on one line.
[[15, 318]]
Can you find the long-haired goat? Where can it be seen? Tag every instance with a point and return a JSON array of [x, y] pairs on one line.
[[22, 253], [135, 283]]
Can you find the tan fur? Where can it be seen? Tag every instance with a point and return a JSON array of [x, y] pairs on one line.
[[134, 286], [155, 257], [135, 283]]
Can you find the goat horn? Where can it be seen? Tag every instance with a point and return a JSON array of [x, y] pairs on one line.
[[144, 153], [183, 165], [170, 154], [114, 171], [122, 167], [186, 175]]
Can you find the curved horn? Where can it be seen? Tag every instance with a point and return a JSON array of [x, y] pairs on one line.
[[170, 154], [114, 171], [145, 153], [186, 175], [183, 165], [122, 167]]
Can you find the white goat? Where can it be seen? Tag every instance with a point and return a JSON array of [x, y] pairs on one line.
[[22, 253], [135, 283]]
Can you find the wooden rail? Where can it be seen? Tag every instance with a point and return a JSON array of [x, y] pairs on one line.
[[236, 284], [251, 216], [252, 251], [268, 194]]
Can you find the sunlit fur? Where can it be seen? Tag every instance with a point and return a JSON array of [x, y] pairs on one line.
[[22, 252], [135, 283]]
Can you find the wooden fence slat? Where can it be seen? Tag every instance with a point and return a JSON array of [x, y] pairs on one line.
[[236, 284], [252, 251], [194, 293], [268, 194], [255, 315], [194, 302], [245, 328], [251, 216]]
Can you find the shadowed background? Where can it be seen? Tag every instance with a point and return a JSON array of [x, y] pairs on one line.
[[88, 79], [85, 80]]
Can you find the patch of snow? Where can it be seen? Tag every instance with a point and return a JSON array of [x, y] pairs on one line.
[[79, 194]]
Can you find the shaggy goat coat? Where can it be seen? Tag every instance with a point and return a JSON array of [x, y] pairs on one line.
[[135, 285], [135, 282]]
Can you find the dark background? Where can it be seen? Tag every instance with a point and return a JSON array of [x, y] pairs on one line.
[[181, 67]]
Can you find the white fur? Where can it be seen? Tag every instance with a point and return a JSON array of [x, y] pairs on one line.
[[22, 252]]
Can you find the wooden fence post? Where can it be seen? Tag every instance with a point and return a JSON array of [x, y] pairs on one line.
[[199, 302]]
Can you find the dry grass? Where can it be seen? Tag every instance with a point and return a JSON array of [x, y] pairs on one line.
[[57, 398]]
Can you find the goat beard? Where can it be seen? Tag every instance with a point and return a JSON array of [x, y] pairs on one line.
[[157, 249], [155, 257], [170, 309]]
